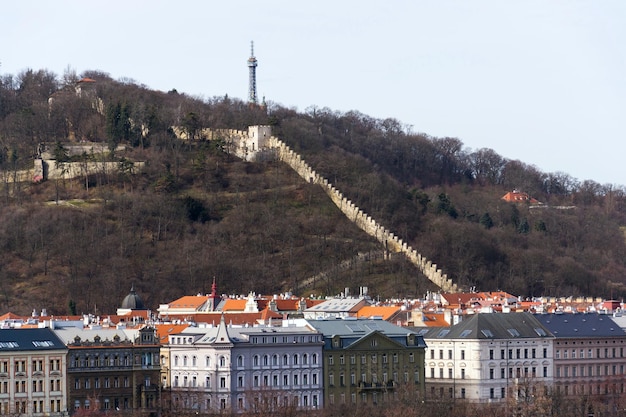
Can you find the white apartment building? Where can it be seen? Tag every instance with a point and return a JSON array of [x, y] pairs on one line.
[[488, 357], [32, 373], [245, 368]]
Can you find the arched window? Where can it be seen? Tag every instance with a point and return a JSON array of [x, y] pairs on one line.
[[305, 359], [207, 381], [194, 360], [222, 361], [314, 359], [295, 359], [285, 360], [266, 360], [239, 360], [255, 360], [176, 360], [207, 361], [185, 360], [275, 360]]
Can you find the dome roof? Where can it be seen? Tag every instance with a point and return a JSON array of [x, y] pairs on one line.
[[132, 301]]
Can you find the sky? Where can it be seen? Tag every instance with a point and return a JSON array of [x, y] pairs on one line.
[[539, 81]]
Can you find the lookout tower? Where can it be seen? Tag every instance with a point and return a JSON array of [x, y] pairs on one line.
[[252, 63]]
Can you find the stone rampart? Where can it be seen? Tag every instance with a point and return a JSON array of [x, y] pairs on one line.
[[392, 243], [67, 170], [239, 143]]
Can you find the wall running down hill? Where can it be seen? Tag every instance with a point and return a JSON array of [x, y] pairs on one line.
[[390, 241], [259, 144]]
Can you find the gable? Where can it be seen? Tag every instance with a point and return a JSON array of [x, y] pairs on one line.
[[373, 341]]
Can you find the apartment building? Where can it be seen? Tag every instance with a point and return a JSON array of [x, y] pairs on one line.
[[32, 373], [489, 357]]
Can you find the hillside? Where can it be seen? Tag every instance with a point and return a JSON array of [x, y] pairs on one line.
[[195, 212]]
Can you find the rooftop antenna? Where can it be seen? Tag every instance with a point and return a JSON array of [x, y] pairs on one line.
[[252, 64]]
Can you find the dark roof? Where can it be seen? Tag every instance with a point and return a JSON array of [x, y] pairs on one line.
[[490, 326], [581, 325], [132, 301], [353, 330], [29, 340]]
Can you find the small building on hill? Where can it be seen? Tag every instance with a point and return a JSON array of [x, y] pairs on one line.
[[517, 196]]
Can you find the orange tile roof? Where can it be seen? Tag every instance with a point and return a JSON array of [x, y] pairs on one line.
[[518, 196], [267, 314], [12, 316], [385, 312], [287, 305], [232, 304], [189, 301], [164, 330], [435, 320]]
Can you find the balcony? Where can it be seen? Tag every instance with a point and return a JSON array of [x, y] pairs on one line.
[[374, 386]]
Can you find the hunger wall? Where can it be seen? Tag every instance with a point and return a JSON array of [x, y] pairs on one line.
[[390, 241]]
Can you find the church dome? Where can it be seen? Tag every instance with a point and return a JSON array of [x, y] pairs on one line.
[[132, 301]]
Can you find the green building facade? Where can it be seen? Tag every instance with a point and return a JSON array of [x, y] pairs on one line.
[[370, 361]]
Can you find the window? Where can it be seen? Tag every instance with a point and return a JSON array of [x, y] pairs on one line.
[[463, 354], [449, 353], [222, 382], [491, 354]]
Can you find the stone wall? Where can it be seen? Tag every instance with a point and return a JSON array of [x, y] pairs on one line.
[[48, 169], [390, 241], [239, 143]]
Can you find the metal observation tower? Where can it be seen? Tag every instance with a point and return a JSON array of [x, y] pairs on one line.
[[252, 69]]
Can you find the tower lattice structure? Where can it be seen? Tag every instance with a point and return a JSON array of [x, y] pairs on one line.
[[252, 64]]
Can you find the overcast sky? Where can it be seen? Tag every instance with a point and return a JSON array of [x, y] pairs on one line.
[[536, 80]]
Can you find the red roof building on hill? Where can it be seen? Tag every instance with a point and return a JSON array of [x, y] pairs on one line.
[[517, 196]]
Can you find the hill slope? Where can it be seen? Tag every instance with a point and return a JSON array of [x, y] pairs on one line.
[[196, 213]]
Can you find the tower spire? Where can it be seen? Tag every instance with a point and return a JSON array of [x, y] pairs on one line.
[[252, 64]]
